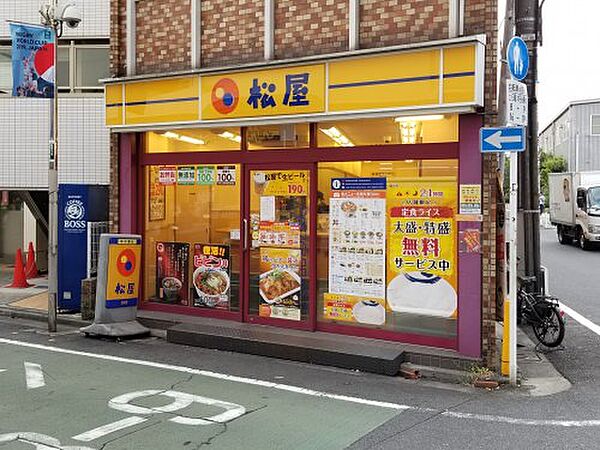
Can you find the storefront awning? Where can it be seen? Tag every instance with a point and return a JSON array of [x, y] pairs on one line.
[[444, 76]]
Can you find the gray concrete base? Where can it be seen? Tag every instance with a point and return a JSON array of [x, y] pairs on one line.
[[117, 330]]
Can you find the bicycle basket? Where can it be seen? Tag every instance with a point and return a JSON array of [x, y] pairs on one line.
[[543, 309]]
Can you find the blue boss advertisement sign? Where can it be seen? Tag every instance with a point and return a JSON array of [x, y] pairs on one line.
[[32, 61]]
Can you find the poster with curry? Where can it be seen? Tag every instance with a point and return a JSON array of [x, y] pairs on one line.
[[280, 283]]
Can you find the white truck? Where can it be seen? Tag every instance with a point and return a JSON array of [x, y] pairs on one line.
[[575, 207]]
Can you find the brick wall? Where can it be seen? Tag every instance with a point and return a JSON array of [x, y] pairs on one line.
[[232, 32], [306, 27], [117, 37], [481, 17], [392, 22], [163, 35]]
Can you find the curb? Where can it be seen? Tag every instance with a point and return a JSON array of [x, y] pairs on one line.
[[537, 374], [39, 316]]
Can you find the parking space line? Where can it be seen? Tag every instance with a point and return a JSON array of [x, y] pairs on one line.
[[99, 432], [581, 319]]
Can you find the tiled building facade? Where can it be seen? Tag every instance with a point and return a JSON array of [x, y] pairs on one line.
[[244, 32]]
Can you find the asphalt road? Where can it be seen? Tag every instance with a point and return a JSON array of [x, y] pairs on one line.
[[69, 392], [575, 279]]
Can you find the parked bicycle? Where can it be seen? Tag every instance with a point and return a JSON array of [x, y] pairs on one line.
[[542, 312]]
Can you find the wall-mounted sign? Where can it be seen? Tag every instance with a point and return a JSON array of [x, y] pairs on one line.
[[470, 199]]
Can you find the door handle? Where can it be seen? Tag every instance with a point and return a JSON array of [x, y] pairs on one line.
[[245, 234]]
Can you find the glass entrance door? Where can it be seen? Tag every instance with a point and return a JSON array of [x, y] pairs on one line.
[[278, 245]]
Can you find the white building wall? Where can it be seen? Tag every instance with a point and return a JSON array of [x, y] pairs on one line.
[[83, 142], [95, 17]]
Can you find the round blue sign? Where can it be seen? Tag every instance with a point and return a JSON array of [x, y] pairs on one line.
[[518, 58]]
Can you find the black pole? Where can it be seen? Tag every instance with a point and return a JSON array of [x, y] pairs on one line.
[[527, 26]]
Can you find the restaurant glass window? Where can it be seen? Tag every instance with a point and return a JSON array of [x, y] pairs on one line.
[[192, 236], [386, 245], [193, 140], [389, 131], [283, 136]]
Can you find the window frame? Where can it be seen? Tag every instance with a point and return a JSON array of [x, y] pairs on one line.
[[592, 116]]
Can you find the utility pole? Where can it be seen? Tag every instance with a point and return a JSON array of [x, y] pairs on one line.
[[526, 26]]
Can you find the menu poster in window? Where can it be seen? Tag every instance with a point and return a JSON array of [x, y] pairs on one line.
[[279, 234], [205, 175], [226, 175], [156, 195], [421, 248], [172, 269], [281, 183], [280, 283], [167, 175], [186, 175], [211, 279], [350, 308], [357, 237]]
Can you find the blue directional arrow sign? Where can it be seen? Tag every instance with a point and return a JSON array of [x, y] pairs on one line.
[[508, 139]]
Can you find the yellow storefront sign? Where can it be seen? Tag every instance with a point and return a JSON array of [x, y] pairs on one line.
[[443, 76], [290, 90]]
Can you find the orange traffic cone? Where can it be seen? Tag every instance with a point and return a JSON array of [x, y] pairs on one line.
[[19, 280], [31, 270]]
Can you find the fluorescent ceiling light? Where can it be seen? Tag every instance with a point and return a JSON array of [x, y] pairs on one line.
[[231, 136], [419, 118], [338, 137], [181, 137]]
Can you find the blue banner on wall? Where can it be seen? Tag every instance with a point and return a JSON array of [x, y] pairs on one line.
[[32, 61]]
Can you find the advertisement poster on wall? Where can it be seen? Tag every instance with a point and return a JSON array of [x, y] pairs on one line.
[[357, 242], [211, 278], [280, 283], [357, 237], [422, 248], [156, 208], [167, 175], [172, 268]]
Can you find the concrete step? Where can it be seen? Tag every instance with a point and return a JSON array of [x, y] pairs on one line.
[[368, 355]]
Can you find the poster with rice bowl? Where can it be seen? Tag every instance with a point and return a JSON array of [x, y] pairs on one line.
[[172, 268], [211, 279]]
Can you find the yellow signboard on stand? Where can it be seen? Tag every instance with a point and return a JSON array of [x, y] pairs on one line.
[[124, 259]]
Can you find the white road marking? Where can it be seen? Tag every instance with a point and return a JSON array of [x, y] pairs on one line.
[[309, 392], [579, 318], [38, 441], [528, 422], [109, 428], [180, 400], [34, 376]]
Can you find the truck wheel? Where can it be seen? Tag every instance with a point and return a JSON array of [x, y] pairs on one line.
[[583, 243], [562, 237]]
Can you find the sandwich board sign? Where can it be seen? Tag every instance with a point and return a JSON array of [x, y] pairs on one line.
[[118, 290]]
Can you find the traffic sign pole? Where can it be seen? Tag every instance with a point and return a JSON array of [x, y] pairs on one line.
[[512, 267]]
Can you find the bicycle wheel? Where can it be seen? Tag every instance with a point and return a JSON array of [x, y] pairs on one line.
[[550, 331]]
